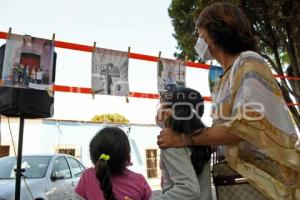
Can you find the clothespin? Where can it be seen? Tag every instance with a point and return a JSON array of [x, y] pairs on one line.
[[53, 38], [186, 58], [94, 46], [128, 51], [159, 68], [126, 97], [158, 62], [9, 33], [93, 50], [159, 57]]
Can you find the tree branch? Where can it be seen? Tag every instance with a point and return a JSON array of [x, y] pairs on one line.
[[272, 64], [292, 109], [283, 80]]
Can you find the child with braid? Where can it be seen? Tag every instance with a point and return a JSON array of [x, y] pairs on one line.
[[110, 179]]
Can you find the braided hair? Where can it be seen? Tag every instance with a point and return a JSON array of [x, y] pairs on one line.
[[113, 142]]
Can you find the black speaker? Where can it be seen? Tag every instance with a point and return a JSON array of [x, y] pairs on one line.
[[26, 102]]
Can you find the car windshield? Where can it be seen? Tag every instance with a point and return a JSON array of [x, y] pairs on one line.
[[34, 166]]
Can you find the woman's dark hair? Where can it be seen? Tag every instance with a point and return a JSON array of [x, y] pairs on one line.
[[187, 107], [228, 27], [111, 141]]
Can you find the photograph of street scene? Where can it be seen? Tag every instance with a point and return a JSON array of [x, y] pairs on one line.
[[214, 76], [27, 62], [170, 74]]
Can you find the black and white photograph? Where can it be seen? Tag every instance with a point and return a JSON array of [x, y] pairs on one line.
[[110, 72], [170, 74], [27, 62]]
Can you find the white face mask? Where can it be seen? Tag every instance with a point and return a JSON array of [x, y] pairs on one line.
[[202, 49], [162, 114], [160, 123]]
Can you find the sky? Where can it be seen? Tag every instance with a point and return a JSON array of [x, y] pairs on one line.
[[144, 25]]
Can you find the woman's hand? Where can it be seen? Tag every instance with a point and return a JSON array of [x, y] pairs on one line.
[[169, 138]]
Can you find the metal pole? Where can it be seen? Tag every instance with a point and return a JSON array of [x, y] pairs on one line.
[[19, 159]]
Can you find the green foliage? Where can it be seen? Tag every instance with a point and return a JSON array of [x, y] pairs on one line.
[[183, 13]]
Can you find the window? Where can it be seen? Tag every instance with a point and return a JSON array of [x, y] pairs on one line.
[[61, 166], [75, 167], [81, 166], [34, 166], [4, 151], [68, 151], [151, 161]]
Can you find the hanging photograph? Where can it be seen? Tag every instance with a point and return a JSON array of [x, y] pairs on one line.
[[27, 62], [214, 74], [170, 74], [110, 72]]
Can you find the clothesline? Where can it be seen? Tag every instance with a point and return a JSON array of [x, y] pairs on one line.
[[86, 48]]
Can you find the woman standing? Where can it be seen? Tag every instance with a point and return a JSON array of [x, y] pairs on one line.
[[249, 114]]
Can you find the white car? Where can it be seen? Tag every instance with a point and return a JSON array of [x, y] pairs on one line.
[[49, 177]]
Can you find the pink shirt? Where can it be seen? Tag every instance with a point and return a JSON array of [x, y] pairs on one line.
[[129, 184]]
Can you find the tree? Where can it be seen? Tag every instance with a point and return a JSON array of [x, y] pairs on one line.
[[275, 23]]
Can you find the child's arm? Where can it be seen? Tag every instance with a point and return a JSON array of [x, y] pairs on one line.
[[183, 183]]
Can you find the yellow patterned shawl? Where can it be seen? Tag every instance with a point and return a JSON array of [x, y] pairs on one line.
[[247, 102]]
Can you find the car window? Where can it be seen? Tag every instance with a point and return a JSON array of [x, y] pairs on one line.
[[81, 166], [34, 166], [75, 167], [61, 165]]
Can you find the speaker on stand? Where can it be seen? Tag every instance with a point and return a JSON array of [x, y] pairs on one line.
[[27, 71]]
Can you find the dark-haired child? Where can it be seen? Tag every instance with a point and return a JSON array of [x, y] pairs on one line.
[[110, 179], [185, 171]]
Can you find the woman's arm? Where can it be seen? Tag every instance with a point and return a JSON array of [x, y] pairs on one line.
[[215, 135]]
